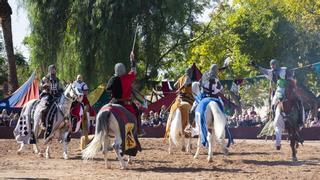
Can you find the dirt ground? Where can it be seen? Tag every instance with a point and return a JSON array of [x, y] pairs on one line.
[[248, 159]]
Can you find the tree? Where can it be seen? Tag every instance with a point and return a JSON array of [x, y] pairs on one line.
[[91, 36], [5, 18]]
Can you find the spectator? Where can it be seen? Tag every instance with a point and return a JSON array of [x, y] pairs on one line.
[[14, 120], [144, 120], [315, 123], [164, 113], [156, 122], [252, 113], [5, 118], [151, 116]]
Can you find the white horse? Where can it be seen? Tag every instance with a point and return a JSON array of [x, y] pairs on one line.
[[30, 122], [215, 121], [176, 132], [106, 126]]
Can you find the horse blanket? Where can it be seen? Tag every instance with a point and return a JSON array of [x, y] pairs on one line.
[[201, 110], [128, 128], [24, 128]]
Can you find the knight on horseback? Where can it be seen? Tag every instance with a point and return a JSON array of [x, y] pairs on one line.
[[179, 111], [120, 87], [282, 90], [210, 87], [51, 90]]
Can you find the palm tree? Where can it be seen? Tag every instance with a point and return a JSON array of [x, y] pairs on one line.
[[5, 19]]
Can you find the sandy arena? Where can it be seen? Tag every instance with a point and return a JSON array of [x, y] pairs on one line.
[[248, 159]]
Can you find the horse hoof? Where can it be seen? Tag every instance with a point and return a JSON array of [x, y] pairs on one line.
[[18, 152], [210, 160], [65, 157], [123, 167], [47, 156], [294, 159], [183, 149], [226, 151], [195, 157], [108, 166]]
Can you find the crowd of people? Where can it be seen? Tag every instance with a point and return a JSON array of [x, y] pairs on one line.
[[8, 120], [248, 118], [155, 119], [312, 121]]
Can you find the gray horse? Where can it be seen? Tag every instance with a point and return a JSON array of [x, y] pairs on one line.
[[29, 127]]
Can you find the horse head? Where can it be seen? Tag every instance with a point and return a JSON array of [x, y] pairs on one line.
[[73, 93]]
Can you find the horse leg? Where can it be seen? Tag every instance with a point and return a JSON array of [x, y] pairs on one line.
[[183, 146], [293, 147], [21, 148], [65, 141], [209, 138], [189, 147], [117, 146], [48, 151], [198, 148], [105, 147], [65, 150], [130, 158], [170, 144]]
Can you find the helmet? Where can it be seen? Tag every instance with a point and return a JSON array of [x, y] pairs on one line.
[[273, 62], [213, 71], [119, 69], [51, 68]]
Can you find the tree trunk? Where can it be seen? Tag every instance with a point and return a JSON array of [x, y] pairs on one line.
[[7, 34]]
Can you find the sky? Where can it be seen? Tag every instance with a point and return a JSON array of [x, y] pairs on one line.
[[21, 26]]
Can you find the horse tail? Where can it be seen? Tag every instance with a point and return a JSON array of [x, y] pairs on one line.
[[100, 133], [219, 120], [176, 127]]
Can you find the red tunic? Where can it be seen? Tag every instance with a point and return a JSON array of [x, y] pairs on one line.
[[126, 84]]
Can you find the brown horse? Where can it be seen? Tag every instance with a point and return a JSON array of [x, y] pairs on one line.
[[292, 112]]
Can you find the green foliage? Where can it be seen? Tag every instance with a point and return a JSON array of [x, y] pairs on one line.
[[3, 70], [260, 30], [23, 69], [90, 36]]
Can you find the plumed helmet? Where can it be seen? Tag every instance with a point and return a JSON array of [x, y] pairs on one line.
[[213, 71], [119, 69]]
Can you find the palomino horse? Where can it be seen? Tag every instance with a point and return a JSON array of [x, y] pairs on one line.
[[107, 125], [215, 124], [29, 124], [176, 125]]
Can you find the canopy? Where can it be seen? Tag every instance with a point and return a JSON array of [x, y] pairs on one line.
[[28, 91]]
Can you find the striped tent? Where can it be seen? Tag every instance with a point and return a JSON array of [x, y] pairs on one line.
[[28, 91]]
